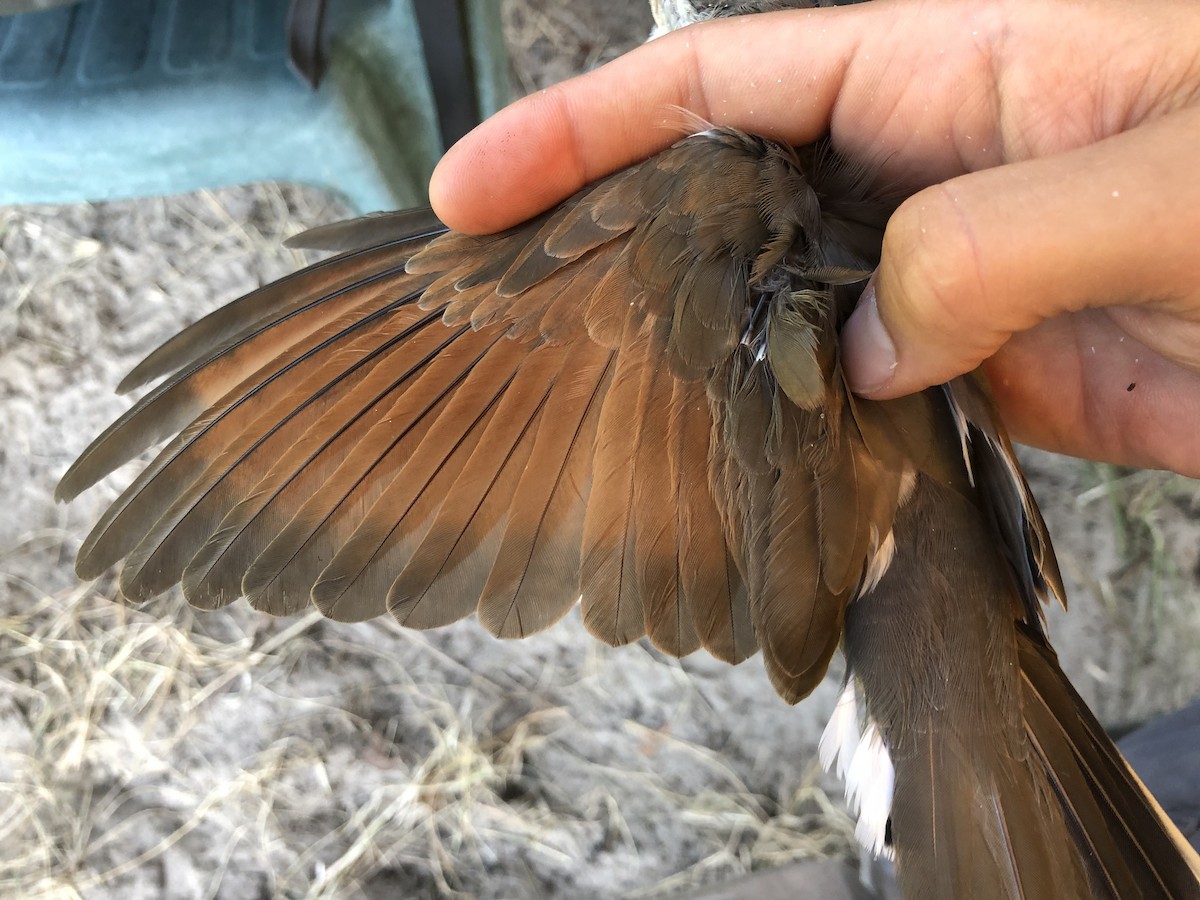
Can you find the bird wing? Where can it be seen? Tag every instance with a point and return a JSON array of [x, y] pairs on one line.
[[626, 401]]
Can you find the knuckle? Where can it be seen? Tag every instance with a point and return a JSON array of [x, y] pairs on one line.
[[930, 262]]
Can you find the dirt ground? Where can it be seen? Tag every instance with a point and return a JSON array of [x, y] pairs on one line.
[[165, 753]]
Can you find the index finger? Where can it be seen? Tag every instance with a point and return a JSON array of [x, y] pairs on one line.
[[546, 146]]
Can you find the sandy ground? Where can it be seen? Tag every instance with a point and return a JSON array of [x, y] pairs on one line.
[[162, 753]]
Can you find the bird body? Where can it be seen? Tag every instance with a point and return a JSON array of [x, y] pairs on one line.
[[636, 401]]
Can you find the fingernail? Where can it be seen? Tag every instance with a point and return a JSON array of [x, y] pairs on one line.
[[868, 353]]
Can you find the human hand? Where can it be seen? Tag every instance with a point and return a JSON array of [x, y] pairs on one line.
[[1055, 230]]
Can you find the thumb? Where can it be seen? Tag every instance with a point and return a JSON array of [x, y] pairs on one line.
[[970, 262]]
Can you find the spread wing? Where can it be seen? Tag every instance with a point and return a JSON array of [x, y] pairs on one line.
[[632, 401]]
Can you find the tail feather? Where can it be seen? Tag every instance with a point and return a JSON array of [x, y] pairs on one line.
[[1006, 787], [1130, 847], [973, 809]]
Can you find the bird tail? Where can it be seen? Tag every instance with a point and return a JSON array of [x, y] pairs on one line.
[[1128, 845], [1001, 783]]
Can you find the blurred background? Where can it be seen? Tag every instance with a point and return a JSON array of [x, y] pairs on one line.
[[164, 753]]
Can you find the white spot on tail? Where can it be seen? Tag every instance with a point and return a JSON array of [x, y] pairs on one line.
[[841, 736], [863, 761], [869, 786]]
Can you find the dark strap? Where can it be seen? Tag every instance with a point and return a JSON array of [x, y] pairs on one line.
[[305, 24], [443, 28]]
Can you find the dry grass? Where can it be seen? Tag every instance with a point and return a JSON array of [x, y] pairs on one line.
[[215, 755], [116, 710], [552, 41]]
